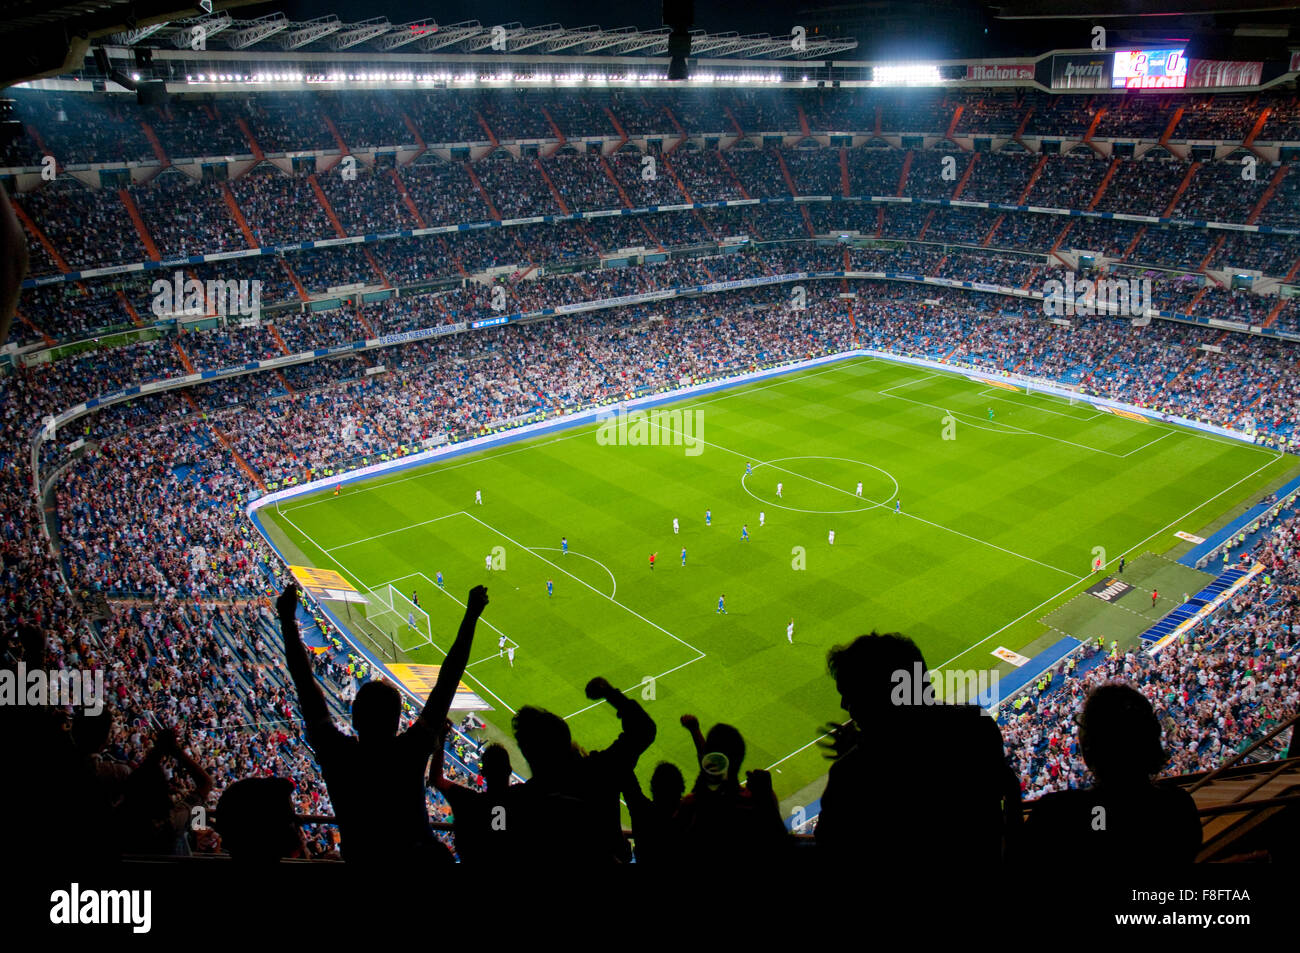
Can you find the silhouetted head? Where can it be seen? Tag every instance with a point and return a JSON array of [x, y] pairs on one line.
[[871, 670], [255, 819], [496, 766], [667, 784], [727, 740], [91, 731], [1119, 735], [544, 738], [376, 711]]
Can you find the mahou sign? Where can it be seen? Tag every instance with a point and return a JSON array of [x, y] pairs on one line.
[[997, 71]]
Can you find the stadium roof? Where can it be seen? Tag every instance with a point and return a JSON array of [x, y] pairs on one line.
[[276, 31]]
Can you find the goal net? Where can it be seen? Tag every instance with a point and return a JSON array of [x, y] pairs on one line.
[[394, 616]]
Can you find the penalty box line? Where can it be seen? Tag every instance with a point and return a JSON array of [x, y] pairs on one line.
[[445, 592], [356, 577], [628, 609]]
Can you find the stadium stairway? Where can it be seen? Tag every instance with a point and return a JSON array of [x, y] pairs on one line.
[[1251, 801], [145, 238], [785, 173], [39, 235], [419, 141], [902, 176], [406, 198], [561, 140], [1170, 126], [735, 123], [1105, 179], [970, 168], [488, 130], [555, 192], [237, 215], [618, 130], [677, 181], [478, 184], [726, 166], [1194, 605], [253, 146], [609, 174], [1267, 197], [997, 223], [680, 131], [1182, 187]]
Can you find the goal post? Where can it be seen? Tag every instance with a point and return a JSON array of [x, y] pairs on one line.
[[398, 621]]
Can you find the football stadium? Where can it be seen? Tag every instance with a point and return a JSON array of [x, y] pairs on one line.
[[467, 435]]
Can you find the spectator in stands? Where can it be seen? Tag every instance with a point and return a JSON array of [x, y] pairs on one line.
[[576, 791], [13, 263], [482, 818], [909, 772], [154, 818], [376, 779], [652, 817], [1124, 817], [719, 818], [255, 818]]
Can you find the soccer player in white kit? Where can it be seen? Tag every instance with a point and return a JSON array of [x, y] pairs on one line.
[[778, 490], [675, 524], [831, 538], [789, 632], [761, 517], [501, 646], [478, 496], [859, 489], [487, 563], [510, 654]]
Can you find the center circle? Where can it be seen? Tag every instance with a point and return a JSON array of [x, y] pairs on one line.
[[864, 503]]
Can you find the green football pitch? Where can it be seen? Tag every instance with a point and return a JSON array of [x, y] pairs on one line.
[[998, 523]]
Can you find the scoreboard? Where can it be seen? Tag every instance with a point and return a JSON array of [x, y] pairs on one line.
[[1149, 69]]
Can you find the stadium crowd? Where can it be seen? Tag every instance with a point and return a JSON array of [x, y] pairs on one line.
[[145, 566]]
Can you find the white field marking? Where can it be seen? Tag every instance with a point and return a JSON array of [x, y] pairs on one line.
[[653, 625], [796, 751], [985, 542], [857, 509], [477, 456], [636, 686], [849, 493], [401, 529], [1010, 429], [462, 605], [554, 549], [996, 393], [1149, 444], [485, 622], [908, 383], [488, 453], [349, 572], [1126, 553]]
